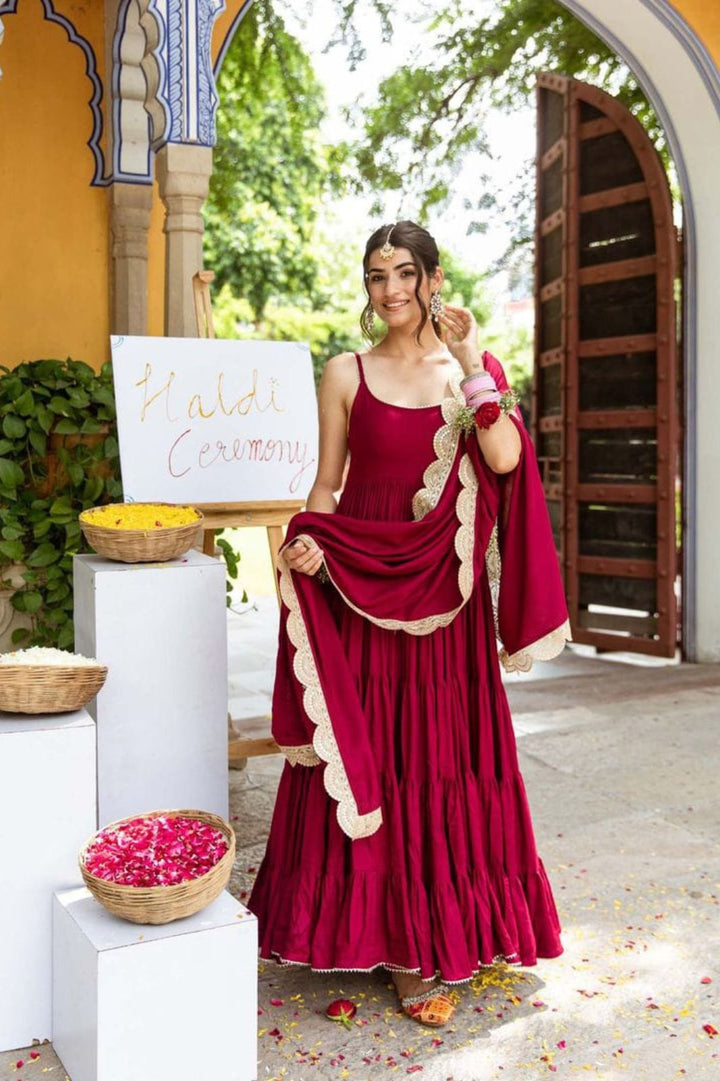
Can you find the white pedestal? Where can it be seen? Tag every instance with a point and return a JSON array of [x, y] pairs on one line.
[[47, 811], [162, 715], [171, 1003]]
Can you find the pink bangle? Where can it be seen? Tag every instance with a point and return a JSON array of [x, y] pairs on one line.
[[481, 392], [480, 396], [483, 378], [479, 383]]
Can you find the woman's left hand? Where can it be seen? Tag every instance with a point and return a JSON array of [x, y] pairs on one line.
[[461, 337]]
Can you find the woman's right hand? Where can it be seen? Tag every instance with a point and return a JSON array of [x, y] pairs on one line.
[[303, 555]]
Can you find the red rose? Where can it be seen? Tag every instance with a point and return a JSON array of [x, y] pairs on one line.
[[487, 414], [341, 1010]]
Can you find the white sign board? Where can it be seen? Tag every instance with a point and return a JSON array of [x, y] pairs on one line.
[[209, 421]]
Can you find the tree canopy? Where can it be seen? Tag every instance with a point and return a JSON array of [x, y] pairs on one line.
[[432, 110], [271, 167]]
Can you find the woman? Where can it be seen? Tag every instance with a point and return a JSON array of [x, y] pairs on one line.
[[401, 834]]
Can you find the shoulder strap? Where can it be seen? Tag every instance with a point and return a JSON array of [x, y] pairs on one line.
[[361, 373]]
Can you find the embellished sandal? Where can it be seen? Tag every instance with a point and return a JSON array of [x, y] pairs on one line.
[[434, 1008]]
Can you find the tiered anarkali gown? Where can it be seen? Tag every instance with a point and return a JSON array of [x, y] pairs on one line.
[[452, 880]]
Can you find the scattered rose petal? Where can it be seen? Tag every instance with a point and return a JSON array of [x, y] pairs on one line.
[[276, 1002], [34, 1054], [19, 1064], [706, 979], [710, 1030], [342, 1010], [562, 1045], [538, 1003]]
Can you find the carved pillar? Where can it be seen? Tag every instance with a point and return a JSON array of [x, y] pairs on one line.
[[130, 206], [184, 176]]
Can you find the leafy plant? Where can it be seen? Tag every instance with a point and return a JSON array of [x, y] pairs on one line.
[[271, 168], [58, 455]]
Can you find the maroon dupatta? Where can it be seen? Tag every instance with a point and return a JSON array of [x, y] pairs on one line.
[[413, 577]]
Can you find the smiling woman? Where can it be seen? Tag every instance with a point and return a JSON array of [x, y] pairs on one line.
[[401, 834]]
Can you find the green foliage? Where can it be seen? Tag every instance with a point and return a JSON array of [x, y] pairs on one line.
[[430, 113], [232, 563], [271, 168], [464, 286], [58, 455], [327, 331]]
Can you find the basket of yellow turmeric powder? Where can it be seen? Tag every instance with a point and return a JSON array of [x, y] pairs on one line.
[[141, 532]]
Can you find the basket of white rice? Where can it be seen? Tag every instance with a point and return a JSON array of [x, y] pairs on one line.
[[45, 680]]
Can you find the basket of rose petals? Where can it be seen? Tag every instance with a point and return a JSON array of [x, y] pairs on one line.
[[141, 532], [43, 679], [159, 867]]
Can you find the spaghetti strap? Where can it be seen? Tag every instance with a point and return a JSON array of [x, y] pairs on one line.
[[361, 373]]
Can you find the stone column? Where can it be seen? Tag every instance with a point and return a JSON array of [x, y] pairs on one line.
[[130, 206], [183, 171]]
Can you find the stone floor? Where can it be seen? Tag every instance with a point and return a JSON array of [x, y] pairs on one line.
[[621, 765]]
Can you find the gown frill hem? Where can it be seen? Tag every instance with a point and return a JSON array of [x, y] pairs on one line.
[[499, 960], [516, 923]]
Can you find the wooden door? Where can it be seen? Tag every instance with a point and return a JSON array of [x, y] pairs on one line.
[[606, 392]]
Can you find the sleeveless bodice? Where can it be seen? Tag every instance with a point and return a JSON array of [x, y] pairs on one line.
[[390, 448]]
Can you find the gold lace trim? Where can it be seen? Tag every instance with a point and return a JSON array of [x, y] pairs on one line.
[[544, 649], [445, 443], [303, 755], [493, 565], [335, 779]]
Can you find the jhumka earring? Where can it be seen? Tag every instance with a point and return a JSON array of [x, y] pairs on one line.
[[367, 322], [436, 304]]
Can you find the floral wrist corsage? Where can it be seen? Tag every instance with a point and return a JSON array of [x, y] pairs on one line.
[[466, 419]]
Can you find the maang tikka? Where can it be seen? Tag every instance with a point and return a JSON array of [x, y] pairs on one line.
[[387, 251]]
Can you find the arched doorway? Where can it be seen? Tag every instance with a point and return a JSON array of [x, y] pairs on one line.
[[607, 397], [683, 86]]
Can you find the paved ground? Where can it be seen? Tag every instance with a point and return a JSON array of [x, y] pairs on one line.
[[621, 766]]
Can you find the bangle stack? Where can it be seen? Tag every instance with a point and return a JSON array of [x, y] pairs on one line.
[[482, 398]]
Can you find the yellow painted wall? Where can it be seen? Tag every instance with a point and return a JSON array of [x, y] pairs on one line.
[[703, 16], [223, 24], [54, 230], [156, 266]]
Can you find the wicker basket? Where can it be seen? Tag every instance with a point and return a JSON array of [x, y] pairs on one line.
[[139, 545], [45, 688], [163, 904]]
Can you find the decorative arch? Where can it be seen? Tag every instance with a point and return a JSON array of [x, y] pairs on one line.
[[9, 7], [682, 83], [232, 29], [140, 113]]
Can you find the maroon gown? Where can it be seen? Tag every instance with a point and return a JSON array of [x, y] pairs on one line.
[[451, 881]]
